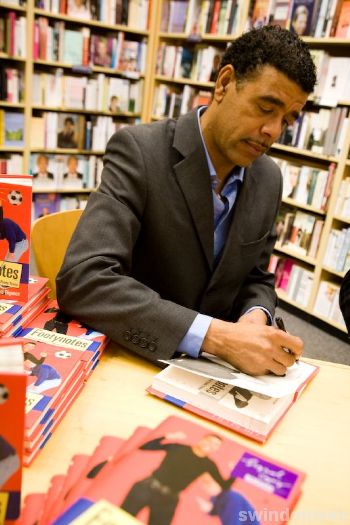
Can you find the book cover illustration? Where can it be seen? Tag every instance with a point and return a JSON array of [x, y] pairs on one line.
[[70, 131], [222, 478], [15, 224], [12, 311], [57, 351], [252, 406], [12, 400], [14, 129]]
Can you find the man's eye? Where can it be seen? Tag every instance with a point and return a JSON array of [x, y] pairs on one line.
[[265, 110]]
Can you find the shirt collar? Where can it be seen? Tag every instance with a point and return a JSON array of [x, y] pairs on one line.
[[236, 174]]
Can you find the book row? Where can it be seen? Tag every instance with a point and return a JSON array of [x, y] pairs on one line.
[[173, 101], [327, 302], [197, 17], [317, 18], [133, 13], [337, 256], [46, 203], [53, 41], [64, 172], [97, 93], [292, 278], [11, 84], [333, 77], [11, 163], [322, 132], [121, 478], [298, 231], [199, 63], [71, 131], [13, 34], [342, 206], [306, 185]]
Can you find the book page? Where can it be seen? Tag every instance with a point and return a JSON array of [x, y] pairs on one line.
[[274, 386]]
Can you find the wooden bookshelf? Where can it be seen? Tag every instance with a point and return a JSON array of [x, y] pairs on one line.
[[155, 35]]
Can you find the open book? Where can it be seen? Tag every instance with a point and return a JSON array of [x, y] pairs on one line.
[[216, 390], [12, 405]]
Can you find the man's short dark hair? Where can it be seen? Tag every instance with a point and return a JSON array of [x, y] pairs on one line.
[[274, 46]]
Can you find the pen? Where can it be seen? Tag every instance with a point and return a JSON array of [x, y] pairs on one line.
[[281, 326]]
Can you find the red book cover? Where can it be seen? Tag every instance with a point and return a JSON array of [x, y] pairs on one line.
[[11, 310], [33, 506], [107, 448], [56, 351], [12, 401], [184, 473], [15, 223], [29, 457], [95, 470], [75, 470]]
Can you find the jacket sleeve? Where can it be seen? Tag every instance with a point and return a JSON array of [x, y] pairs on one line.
[[95, 284]]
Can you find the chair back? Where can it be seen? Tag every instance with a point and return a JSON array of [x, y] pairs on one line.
[[50, 237]]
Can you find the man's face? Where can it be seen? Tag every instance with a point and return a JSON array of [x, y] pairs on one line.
[[72, 165], [299, 25], [42, 164], [209, 444], [245, 119]]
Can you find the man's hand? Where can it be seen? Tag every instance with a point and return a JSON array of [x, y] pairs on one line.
[[252, 347]]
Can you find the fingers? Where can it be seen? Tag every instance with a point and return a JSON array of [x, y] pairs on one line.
[[293, 343], [278, 369]]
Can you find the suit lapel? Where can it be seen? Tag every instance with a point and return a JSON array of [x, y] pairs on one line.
[[193, 177]]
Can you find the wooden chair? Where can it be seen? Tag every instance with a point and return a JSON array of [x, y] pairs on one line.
[[50, 237]]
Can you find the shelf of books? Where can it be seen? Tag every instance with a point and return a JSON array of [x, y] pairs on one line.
[[70, 76]]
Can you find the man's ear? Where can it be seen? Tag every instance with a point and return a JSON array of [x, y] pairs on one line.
[[225, 76]]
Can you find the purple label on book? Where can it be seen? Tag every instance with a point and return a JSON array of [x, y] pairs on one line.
[[264, 475]]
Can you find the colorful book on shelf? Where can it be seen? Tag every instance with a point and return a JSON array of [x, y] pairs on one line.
[[15, 223], [221, 477], [12, 402], [45, 203], [215, 390], [13, 129]]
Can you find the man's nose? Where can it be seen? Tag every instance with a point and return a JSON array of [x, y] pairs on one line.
[[273, 128]]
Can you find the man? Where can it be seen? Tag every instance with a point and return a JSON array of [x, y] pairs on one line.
[[344, 299], [73, 177], [172, 251], [160, 492], [66, 138], [43, 178]]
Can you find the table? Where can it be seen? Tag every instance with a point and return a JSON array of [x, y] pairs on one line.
[[314, 436]]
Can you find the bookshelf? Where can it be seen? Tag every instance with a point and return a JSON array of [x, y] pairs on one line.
[[176, 43], [172, 86], [55, 69]]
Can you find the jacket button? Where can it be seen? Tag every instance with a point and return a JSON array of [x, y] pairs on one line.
[[135, 339], [143, 342], [127, 335], [152, 346]]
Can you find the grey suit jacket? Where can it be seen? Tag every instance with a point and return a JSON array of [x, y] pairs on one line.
[[140, 265]]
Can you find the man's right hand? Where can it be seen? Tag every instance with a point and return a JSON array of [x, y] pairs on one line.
[[255, 349]]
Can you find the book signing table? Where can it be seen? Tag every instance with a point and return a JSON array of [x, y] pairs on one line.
[[313, 436]]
